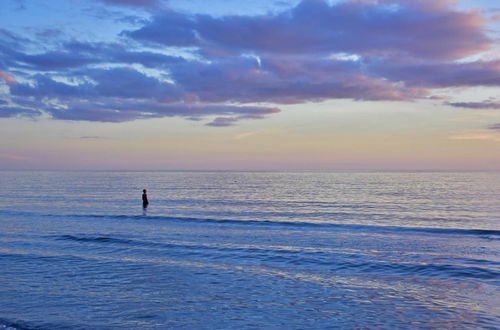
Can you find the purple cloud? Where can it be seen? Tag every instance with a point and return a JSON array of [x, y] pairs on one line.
[[436, 74], [285, 81], [117, 82], [124, 94], [119, 111], [8, 111], [359, 50], [495, 127], [55, 60], [79, 54], [129, 83], [476, 105], [222, 122], [47, 87], [423, 29], [169, 28], [119, 53], [246, 113]]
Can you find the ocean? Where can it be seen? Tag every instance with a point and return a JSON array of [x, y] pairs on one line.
[[248, 250]]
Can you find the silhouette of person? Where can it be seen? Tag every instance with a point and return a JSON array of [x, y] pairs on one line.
[[145, 201]]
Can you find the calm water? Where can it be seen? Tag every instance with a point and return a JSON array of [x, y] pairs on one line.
[[249, 250]]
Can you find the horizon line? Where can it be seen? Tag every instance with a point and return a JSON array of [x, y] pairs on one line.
[[250, 170]]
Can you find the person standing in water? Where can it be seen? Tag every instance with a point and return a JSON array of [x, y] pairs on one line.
[[145, 201]]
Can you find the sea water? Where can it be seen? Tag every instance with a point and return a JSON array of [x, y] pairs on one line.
[[243, 250]]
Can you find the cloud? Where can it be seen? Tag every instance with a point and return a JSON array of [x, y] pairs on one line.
[[476, 105], [90, 137], [202, 67], [116, 82], [55, 60], [130, 83], [12, 111], [101, 52], [7, 77], [75, 54], [119, 111], [45, 86], [438, 74], [285, 81], [222, 122], [169, 28], [423, 29], [495, 127]]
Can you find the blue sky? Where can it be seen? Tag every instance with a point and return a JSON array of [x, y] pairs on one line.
[[311, 84]]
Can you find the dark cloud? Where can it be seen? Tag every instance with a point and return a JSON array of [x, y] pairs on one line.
[[476, 105]]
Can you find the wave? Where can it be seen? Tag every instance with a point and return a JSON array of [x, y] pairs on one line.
[[101, 239], [484, 233], [304, 224], [333, 261]]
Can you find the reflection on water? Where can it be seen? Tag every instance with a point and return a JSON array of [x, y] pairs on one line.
[[250, 250]]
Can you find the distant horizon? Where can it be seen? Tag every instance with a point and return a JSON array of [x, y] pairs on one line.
[[393, 85], [259, 170]]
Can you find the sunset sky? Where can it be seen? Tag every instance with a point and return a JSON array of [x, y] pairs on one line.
[[250, 84]]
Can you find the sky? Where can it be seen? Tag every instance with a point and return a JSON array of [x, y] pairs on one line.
[[250, 85]]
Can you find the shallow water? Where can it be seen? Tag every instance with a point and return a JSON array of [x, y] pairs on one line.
[[248, 250]]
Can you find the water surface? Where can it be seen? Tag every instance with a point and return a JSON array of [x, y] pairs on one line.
[[249, 249]]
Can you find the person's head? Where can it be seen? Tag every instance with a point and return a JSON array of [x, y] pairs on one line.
[[144, 190]]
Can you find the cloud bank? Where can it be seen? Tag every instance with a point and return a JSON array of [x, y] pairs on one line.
[[231, 68], [477, 105]]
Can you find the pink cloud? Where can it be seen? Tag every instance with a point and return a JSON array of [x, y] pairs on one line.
[[7, 77]]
